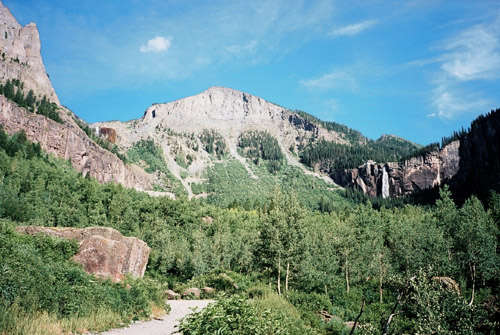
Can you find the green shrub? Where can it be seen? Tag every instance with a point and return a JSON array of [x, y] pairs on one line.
[[38, 275], [237, 315]]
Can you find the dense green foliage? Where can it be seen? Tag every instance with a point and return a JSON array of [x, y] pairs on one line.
[[213, 142], [147, 154], [347, 133], [102, 142], [238, 315], [37, 273], [330, 156], [261, 145], [346, 254], [13, 90], [230, 177]]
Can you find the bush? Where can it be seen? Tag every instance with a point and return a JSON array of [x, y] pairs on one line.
[[237, 315], [37, 275]]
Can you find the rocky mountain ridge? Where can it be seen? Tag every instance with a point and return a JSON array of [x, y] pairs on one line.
[[20, 56], [178, 129], [21, 60]]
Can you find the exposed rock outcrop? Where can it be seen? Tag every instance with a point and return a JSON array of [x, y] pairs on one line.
[[448, 283], [103, 251], [171, 295], [470, 165], [70, 142], [415, 174], [192, 292], [20, 56], [108, 133]]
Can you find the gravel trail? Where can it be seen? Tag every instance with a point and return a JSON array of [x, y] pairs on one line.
[[167, 325]]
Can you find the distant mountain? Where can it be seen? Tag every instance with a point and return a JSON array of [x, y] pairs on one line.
[[193, 134]]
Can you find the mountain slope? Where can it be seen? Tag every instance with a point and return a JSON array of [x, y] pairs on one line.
[[469, 164], [22, 70], [220, 124]]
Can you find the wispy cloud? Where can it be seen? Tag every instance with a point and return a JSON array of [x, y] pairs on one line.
[[240, 49], [354, 29], [473, 54], [470, 58], [450, 102], [332, 80], [157, 44]]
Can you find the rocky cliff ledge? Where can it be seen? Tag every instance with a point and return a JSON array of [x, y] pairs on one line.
[[470, 165], [20, 56], [398, 179], [70, 142]]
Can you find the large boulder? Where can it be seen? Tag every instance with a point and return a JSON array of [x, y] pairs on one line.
[[192, 292], [104, 251], [171, 295], [448, 283]]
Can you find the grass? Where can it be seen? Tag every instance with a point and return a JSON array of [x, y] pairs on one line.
[[15, 320]]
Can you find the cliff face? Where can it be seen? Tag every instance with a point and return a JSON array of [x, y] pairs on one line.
[[400, 179], [20, 56], [479, 158], [70, 142], [229, 112], [470, 165], [20, 59]]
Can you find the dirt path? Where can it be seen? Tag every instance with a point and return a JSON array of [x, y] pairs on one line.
[[167, 324]]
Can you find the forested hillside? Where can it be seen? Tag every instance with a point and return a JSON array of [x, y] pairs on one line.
[[284, 268]]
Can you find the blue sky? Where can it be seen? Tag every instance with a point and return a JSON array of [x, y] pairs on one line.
[[416, 69]]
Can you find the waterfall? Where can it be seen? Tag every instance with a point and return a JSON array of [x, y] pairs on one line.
[[385, 184]]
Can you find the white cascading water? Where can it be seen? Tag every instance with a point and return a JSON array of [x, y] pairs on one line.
[[385, 184]]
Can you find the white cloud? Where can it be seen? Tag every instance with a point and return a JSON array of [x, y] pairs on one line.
[[332, 80], [157, 44], [473, 54], [451, 102], [354, 29], [466, 61]]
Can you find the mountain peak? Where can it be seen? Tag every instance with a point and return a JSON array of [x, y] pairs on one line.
[[6, 17], [22, 59]]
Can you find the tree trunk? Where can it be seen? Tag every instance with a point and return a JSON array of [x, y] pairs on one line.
[[473, 284], [279, 275], [287, 273], [381, 277], [357, 319], [347, 272]]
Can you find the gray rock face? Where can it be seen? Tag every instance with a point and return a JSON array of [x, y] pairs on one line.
[[229, 112], [415, 174], [20, 56], [103, 251]]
